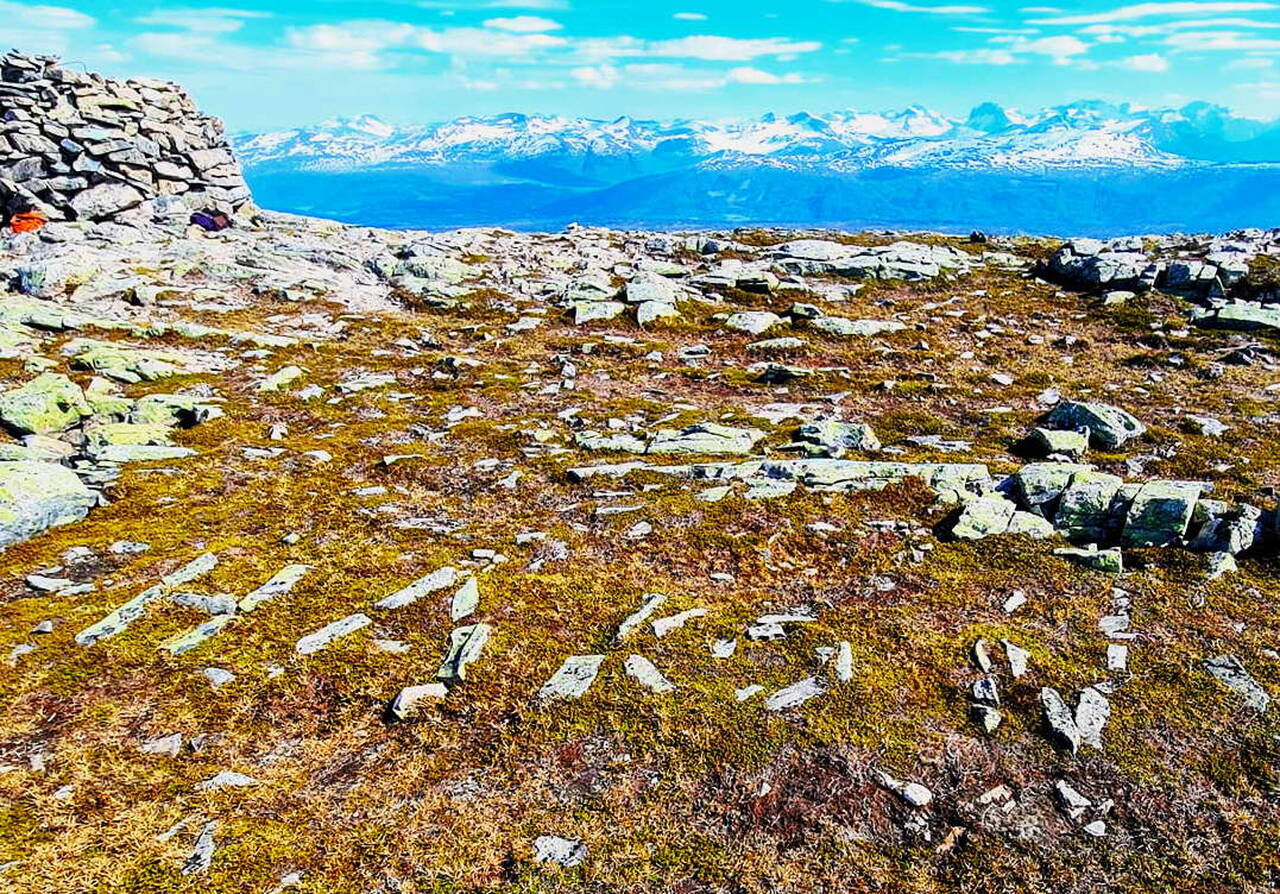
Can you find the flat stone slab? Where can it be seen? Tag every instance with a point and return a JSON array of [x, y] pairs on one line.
[[1229, 671], [314, 642], [652, 602], [465, 645], [795, 695], [574, 677], [436, 580], [1160, 513], [280, 584]]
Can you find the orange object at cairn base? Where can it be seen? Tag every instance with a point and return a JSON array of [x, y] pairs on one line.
[[27, 222]]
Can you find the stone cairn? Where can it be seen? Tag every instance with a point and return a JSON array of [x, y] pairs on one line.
[[79, 146]]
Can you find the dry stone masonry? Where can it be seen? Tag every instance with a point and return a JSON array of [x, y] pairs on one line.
[[79, 146]]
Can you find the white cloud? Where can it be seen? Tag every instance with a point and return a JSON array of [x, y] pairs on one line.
[[44, 18], [1012, 49], [979, 56], [212, 20], [1256, 63], [1149, 10], [690, 17], [600, 77], [1229, 41], [1122, 31], [451, 6], [524, 24], [41, 29], [1060, 47], [1149, 62], [728, 49], [947, 10], [752, 75], [669, 76]]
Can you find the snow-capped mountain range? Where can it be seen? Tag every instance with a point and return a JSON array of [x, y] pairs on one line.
[[538, 170]]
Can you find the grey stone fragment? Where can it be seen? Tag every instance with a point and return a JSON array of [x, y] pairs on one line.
[[227, 779], [846, 328], [834, 439], [565, 852], [1092, 713], [1229, 671], [652, 602], [1060, 720], [201, 857], [314, 642], [465, 645], [433, 582], [794, 695], [280, 584], [574, 677], [409, 700], [643, 671]]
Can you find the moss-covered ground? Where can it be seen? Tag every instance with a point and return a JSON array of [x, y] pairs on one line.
[[688, 791]]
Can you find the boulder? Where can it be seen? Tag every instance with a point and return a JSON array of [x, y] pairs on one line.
[[37, 495], [855, 328], [1109, 427], [1085, 512], [105, 200], [48, 403], [1160, 513]]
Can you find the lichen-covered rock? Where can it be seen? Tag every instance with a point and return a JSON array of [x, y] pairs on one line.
[[1108, 561], [48, 403], [1160, 513], [1060, 443], [1227, 529], [855, 328], [708, 438], [832, 438], [1109, 427], [1085, 511], [753, 322], [983, 517], [35, 496], [1037, 486]]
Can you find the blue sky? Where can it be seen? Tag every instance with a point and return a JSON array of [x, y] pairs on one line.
[[265, 64]]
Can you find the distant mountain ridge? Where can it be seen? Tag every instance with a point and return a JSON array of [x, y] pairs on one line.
[[538, 171]]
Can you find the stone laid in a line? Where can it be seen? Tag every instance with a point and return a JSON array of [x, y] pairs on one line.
[[795, 695], [652, 602], [465, 646], [423, 586], [314, 642], [280, 584], [465, 601], [119, 619]]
